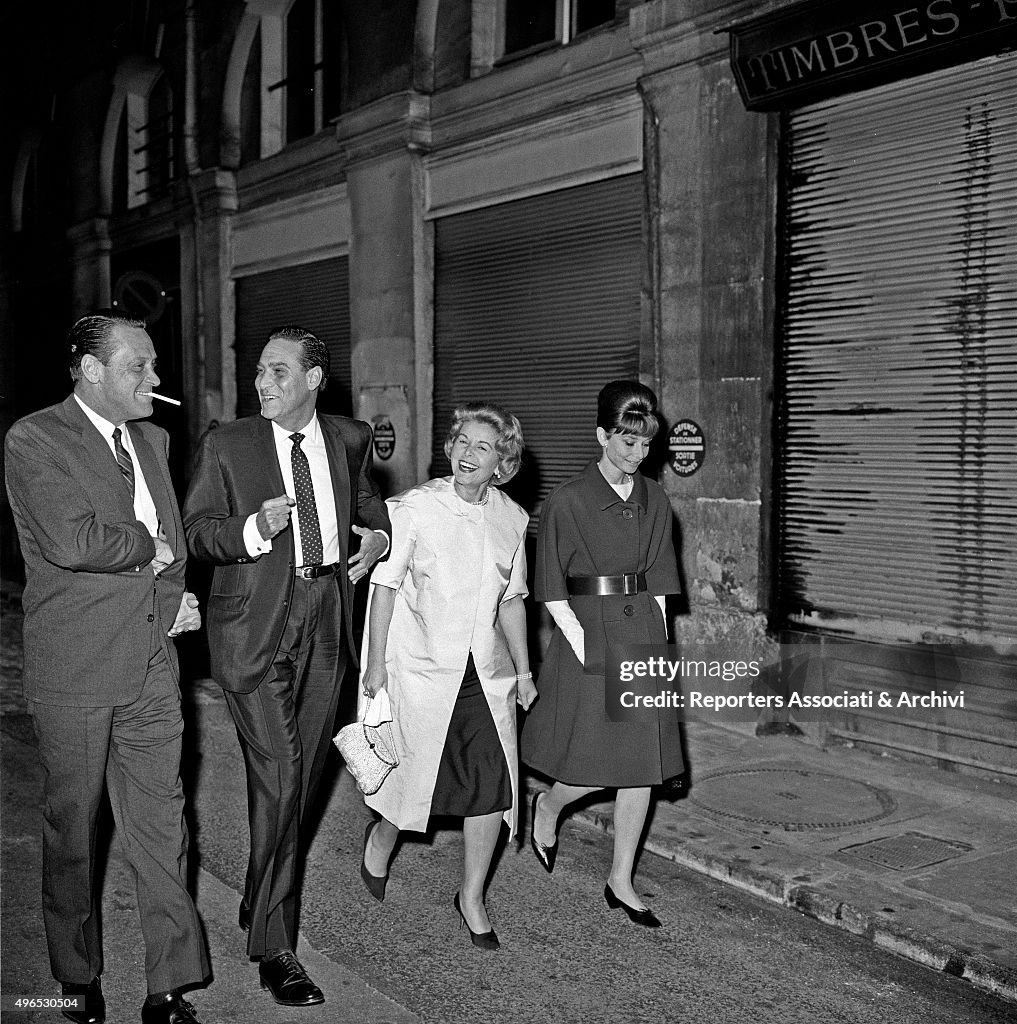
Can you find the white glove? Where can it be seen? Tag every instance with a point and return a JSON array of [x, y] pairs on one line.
[[565, 619]]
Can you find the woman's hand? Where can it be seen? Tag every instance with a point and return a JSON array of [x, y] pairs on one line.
[[526, 693], [374, 679]]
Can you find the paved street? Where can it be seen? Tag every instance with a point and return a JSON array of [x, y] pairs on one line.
[[723, 957]]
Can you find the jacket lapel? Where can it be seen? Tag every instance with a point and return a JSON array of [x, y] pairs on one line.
[[339, 468], [97, 454], [159, 484], [263, 460], [266, 458]]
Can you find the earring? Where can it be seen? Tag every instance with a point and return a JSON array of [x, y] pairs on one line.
[[497, 474]]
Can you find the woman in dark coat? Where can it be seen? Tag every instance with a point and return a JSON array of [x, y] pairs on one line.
[[605, 560]]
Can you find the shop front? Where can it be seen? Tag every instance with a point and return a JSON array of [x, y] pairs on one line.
[[896, 432]]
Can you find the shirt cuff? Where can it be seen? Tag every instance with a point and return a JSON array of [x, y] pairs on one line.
[[254, 542], [388, 542]]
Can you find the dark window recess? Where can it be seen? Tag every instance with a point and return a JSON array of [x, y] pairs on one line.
[[300, 70], [589, 14], [120, 174], [537, 306], [529, 23], [156, 148], [315, 296], [250, 105], [332, 62]]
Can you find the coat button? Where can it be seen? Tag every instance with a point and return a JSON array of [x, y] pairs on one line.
[[627, 514], [151, 618], [629, 610]]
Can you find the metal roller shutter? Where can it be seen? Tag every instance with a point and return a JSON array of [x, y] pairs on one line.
[[898, 479], [900, 359], [315, 296], [537, 306]]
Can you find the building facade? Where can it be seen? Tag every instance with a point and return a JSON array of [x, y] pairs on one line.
[[796, 225]]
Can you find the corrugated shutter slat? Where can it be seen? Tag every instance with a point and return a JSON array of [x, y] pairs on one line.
[[315, 296], [899, 478], [537, 306]]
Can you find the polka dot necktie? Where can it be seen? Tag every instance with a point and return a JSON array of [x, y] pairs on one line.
[[307, 509], [124, 460]]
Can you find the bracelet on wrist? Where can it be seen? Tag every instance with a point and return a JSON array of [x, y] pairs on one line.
[[520, 676]]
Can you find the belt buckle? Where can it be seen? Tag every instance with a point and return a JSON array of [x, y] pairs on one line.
[[630, 584]]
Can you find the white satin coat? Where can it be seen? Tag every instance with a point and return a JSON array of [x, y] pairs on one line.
[[452, 565]]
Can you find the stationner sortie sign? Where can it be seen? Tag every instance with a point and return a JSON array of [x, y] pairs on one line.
[[810, 51]]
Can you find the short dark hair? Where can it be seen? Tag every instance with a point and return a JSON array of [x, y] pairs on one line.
[[627, 407], [313, 350], [509, 445], [91, 336]]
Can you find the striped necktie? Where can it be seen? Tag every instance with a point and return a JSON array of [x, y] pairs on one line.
[[124, 460]]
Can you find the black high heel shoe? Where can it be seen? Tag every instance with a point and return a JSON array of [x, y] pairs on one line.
[[645, 917], [545, 854], [482, 940], [375, 883]]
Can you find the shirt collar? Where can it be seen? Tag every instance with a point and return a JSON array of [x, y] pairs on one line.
[[607, 496], [311, 431], [100, 423]]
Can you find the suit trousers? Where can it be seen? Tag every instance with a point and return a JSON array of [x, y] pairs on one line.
[[134, 751], [285, 727]]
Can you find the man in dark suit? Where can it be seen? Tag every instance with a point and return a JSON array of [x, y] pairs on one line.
[[104, 555], [272, 503]]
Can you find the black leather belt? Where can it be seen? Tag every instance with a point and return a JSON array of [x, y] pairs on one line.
[[312, 572], [606, 586]]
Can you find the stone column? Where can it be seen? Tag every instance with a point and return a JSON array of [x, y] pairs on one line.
[[207, 313], [391, 283], [90, 273], [711, 227]]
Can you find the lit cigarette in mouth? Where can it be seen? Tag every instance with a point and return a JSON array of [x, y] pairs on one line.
[[162, 398]]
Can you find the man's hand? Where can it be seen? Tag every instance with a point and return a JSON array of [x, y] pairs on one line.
[[372, 547], [163, 556], [274, 516], [188, 617]]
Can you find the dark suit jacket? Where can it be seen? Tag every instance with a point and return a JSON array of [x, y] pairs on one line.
[[90, 599], [235, 471]]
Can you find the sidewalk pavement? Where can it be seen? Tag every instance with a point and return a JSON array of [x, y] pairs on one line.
[[235, 996], [918, 860]]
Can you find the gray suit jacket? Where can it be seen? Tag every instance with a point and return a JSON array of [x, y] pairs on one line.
[[90, 599]]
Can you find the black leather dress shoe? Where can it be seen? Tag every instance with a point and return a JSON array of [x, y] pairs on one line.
[[244, 916], [91, 1004], [287, 981], [172, 1009]]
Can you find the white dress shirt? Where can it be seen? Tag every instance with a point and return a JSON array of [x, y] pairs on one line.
[[313, 446], [144, 506]]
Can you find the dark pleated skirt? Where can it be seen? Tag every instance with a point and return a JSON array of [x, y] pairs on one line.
[[473, 776]]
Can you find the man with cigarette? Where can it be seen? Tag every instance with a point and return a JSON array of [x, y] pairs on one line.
[[104, 554], [272, 503]]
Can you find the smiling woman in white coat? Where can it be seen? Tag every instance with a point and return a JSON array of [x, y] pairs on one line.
[[446, 636]]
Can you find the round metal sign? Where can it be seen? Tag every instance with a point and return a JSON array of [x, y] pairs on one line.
[[384, 437], [140, 295], [687, 446]]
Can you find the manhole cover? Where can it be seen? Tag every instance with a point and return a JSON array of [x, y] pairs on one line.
[[794, 799], [910, 850]]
